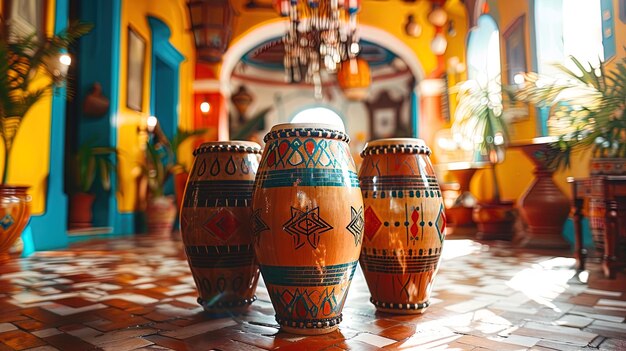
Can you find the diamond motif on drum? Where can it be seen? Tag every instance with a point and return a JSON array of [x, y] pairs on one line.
[[372, 223], [6, 221], [356, 224], [440, 223], [223, 224], [307, 223], [415, 216]]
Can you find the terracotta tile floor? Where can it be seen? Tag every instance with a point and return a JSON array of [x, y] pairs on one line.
[[137, 293]]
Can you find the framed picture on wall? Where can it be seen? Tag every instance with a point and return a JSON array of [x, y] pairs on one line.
[[26, 18], [515, 49], [136, 64]]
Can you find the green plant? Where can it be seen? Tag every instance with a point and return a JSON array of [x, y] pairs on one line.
[[253, 124], [478, 122], [22, 61], [587, 110], [179, 138], [159, 167], [91, 162]]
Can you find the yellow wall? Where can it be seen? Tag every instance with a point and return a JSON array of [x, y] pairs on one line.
[[131, 143], [30, 156]]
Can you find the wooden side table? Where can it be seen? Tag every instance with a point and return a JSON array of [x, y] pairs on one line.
[[612, 190]]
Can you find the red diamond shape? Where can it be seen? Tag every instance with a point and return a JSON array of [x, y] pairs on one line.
[[224, 224], [372, 223]]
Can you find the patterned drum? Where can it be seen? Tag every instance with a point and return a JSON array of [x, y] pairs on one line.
[[405, 224], [215, 224], [14, 215], [308, 220]]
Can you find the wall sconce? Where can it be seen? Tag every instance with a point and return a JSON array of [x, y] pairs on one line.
[[151, 122], [211, 24], [205, 107], [412, 28], [59, 65]]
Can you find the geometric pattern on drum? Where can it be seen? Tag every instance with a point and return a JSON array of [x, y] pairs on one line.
[[400, 186], [223, 224], [306, 223], [308, 276], [308, 152], [258, 225], [372, 223], [356, 224], [308, 177], [440, 223], [399, 264], [303, 305], [6, 221], [229, 168], [221, 193], [223, 256]]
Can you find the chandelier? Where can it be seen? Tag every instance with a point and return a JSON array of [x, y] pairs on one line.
[[321, 35]]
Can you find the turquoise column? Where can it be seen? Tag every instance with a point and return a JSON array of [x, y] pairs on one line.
[[415, 113], [49, 231], [100, 62]]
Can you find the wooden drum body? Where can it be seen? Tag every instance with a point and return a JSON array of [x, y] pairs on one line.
[[405, 224], [215, 224], [308, 222]]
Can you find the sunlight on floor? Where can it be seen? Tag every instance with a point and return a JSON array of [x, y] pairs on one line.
[[545, 280], [459, 248]]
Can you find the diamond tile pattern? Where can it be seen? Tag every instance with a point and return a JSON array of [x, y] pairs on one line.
[[136, 293]]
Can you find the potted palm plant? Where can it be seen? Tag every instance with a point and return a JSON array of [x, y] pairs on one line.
[[587, 112], [161, 210], [478, 123], [30, 69], [88, 164], [181, 170]]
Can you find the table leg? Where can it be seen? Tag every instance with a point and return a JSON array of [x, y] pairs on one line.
[[580, 253], [610, 240]]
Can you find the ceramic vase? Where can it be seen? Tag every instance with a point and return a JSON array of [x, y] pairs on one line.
[[308, 223], [14, 215], [405, 224], [215, 224]]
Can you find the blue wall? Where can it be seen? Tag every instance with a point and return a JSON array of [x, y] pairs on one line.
[[49, 231]]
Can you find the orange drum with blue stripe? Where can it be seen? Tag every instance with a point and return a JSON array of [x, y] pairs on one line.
[[405, 224], [308, 220]]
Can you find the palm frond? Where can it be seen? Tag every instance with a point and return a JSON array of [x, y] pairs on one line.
[[588, 109]]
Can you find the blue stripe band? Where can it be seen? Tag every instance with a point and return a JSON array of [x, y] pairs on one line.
[[308, 275], [308, 177]]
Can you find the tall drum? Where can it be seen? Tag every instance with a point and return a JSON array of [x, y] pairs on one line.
[[308, 220], [215, 224], [405, 224]]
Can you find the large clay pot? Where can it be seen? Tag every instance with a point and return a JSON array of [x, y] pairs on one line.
[[308, 220], [81, 211], [495, 221], [405, 224], [160, 215], [14, 215], [215, 224]]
